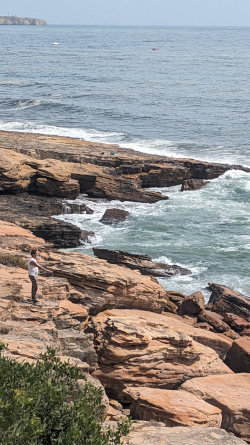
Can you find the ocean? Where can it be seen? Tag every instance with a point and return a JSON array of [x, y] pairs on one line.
[[172, 91]]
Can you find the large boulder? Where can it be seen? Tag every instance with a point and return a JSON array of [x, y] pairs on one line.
[[138, 348], [230, 393], [238, 356], [192, 304], [174, 408], [148, 433], [224, 300], [114, 216]]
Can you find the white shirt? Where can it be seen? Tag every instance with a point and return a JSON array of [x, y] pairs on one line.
[[33, 270]]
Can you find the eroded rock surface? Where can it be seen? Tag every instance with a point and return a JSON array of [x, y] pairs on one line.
[[230, 393], [149, 433], [138, 348], [174, 408], [224, 300], [238, 356]]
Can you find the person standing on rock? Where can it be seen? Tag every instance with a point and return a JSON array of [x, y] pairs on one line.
[[33, 268]]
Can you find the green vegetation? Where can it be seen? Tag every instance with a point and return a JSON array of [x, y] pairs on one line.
[[12, 260], [41, 404]]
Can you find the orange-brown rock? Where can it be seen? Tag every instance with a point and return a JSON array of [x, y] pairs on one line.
[[215, 320], [224, 300], [149, 433], [238, 356], [220, 343], [192, 304], [230, 393], [138, 348], [193, 184], [235, 322], [174, 408]]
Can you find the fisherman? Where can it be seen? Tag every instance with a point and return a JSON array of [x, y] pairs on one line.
[[33, 267]]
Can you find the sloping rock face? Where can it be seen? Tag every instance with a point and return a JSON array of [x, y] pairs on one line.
[[224, 300], [138, 348], [143, 263], [149, 433], [230, 393], [238, 356], [174, 408], [104, 287]]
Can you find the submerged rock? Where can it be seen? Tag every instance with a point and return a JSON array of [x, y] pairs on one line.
[[193, 184], [143, 263]]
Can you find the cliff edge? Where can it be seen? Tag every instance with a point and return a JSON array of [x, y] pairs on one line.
[[13, 20]]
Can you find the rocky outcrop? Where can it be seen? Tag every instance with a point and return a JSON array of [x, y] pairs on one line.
[[138, 348], [238, 356], [149, 433], [14, 20], [28, 211], [193, 184], [230, 393], [192, 304], [114, 216], [174, 408], [224, 300], [143, 263]]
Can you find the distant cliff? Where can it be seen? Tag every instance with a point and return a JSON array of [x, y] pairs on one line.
[[13, 20]]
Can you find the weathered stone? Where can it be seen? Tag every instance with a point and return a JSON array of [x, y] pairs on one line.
[[86, 236], [230, 393], [224, 300], [174, 408], [193, 304], [138, 348], [238, 356], [235, 322], [143, 263], [49, 187], [149, 433], [215, 320], [193, 184], [113, 216]]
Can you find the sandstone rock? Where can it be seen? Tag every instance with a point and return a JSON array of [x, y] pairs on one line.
[[174, 408], [138, 348], [76, 207], [49, 187], [230, 393], [218, 342], [235, 322], [149, 433], [143, 263], [238, 356], [104, 286], [113, 216], [224, 300], [193, 184], [215, 320], [193, 304], [15, 175]]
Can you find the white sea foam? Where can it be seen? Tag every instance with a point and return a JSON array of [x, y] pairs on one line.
[[23, 104]]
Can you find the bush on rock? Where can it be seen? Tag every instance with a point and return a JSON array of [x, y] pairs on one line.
[[41, 404]]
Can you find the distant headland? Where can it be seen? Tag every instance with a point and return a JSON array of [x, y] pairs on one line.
[[14, 20]]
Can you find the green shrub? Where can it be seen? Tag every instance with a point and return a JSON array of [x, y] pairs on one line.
[[8, 259], [41, 404]]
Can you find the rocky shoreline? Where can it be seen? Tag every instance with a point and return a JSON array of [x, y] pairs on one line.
[[162, 356]]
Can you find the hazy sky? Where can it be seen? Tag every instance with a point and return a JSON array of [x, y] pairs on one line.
[[133, 12]]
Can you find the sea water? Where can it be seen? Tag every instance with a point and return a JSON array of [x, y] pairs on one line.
[[172, 91]]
